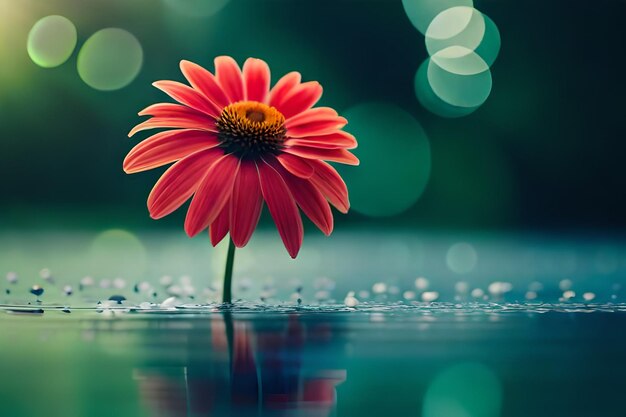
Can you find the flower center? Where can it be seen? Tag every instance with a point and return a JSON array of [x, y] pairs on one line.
[[250, 129]]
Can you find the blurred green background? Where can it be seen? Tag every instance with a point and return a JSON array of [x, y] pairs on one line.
[[544, 151]]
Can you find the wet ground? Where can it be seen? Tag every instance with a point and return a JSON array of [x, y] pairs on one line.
[[453, 360]]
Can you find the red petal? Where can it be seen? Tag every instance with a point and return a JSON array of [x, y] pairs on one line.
[[310, 200], [256, 78], [212, 194], [188, 96], [228, 75], [179, 182], [180, 122], [166, 147], [282, 207], [301, 98], [331, 185], [310, 115], [296, 165], [219, 227], [334, 155], [338, 139], [283, 87], [246, 204], [205, 82], [319, 126]]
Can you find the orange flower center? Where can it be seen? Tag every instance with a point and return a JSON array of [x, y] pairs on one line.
[[250, 129]]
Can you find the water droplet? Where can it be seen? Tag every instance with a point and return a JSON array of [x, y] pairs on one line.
[[117, 298], [36, 290], [68, 290]]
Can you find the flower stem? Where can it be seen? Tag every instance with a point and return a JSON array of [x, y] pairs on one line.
[[228, 274]]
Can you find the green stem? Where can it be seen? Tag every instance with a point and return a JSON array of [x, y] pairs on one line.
[[228, 274]]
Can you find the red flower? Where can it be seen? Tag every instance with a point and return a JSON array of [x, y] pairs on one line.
[[237, 144]]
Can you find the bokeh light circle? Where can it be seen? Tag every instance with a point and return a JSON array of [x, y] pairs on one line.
[[489, 48], [51, 41], [460, 60], [461, 258], [422, 12], [395, 159], [196, 8], [117, 252], [110, 59], [431, 101], [464, 390], [457, 26], [456, 89]]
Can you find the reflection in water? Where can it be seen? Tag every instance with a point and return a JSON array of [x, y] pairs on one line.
[[237, 368]]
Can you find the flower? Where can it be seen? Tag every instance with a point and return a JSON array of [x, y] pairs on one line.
[[236, 144]]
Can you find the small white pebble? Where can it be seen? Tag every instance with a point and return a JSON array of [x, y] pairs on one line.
[[363, 294], [535, 286], [105, 283], [409, 295], [67, 289], [421, 284], [144, 286], [394, 290], [12, 277], [430, 296], [185, 280], [589, 296]]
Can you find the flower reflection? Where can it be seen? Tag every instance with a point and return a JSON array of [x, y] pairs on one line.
[[244, 370]]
